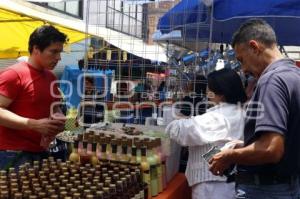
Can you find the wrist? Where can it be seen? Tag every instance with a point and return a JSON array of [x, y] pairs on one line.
[[230, 157], [30, 124]]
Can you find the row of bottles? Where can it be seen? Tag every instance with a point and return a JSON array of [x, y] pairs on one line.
[[107, 149], [55, 179]]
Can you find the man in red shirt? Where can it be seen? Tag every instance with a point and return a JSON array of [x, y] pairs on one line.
[[29, 116]]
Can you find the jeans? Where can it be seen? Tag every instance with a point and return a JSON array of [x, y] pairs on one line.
[[279, 191], [15, 159]]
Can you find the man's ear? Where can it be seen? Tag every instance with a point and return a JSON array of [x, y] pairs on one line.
[[35, 49], [255, 46]]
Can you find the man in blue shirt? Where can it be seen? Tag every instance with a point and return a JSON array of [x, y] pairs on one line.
[[269, 162]]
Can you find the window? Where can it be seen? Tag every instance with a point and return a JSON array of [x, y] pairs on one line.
[[124, 17], [73, 8]]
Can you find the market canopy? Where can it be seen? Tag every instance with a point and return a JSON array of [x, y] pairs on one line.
[[16, 29], [29, 16], [192, 18]]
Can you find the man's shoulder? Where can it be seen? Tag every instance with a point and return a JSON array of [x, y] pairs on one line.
[[283, 71], [18, 67], [13, 70]]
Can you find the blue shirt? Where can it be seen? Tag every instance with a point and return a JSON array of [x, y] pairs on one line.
[[275, 107]]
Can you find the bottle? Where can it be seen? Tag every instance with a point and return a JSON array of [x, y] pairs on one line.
[[145, 168], [143, 187], [104, 160], [113, 190], [74, 156], [124, 156], [113, 158], [133, 160], [135, 184], [90, 140], [138, 145], [120, 191], [80, 142], [18, 195], [94, 159], [99, 194], [157, 156], [84, 157], [153, 168], [163, 159], [106, 194]]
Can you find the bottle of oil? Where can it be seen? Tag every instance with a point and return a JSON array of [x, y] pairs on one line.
[[74, 156], [94, 159], [113, 157]]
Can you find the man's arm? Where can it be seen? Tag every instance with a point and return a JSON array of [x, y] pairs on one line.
[[11, 120], [268, 148]]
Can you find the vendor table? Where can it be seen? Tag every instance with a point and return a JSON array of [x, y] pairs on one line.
[[177, 188]]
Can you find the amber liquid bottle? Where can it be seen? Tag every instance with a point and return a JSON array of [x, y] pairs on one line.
[[133, 160], [74, 156], [113, 157], [125, 156], [103, 159], [94, 159]]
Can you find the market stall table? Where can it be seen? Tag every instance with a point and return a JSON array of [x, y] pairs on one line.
[[178, 188]]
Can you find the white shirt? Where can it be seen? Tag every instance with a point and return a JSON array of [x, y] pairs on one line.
[[220, 124]]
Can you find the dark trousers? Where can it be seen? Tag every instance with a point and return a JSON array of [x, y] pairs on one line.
[[16, 158]]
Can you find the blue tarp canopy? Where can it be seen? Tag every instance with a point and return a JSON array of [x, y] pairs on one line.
[[72, 83], [193, 19]]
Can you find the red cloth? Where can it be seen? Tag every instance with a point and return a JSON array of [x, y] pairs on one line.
[[30, 92]]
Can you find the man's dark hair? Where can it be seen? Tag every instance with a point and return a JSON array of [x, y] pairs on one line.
[[228, 83], [256, 29], [44, 36]]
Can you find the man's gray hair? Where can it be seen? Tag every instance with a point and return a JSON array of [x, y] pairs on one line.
[[256, 29]]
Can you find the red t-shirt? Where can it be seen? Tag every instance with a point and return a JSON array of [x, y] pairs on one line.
[[30, 92]]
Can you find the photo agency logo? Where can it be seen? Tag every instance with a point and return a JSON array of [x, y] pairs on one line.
[[99, 98]]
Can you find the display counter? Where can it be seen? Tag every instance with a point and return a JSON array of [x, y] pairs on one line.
[[177, 188]]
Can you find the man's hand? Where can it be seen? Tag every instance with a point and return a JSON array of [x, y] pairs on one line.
[[220, 162], [46, 126], [268, 148]]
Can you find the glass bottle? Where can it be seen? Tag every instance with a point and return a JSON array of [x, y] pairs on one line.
[[94, 159], [163, 159], [133, 160], [84, 157], [104, 159], [138, 145], [113, 156], [153, 168], [80, 144], [124, 156], [106, 194], [120, 191], [135, 185], [99, 194], [145, 168], [76, 195], [143, 187], [74, 156], [113, 191]]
